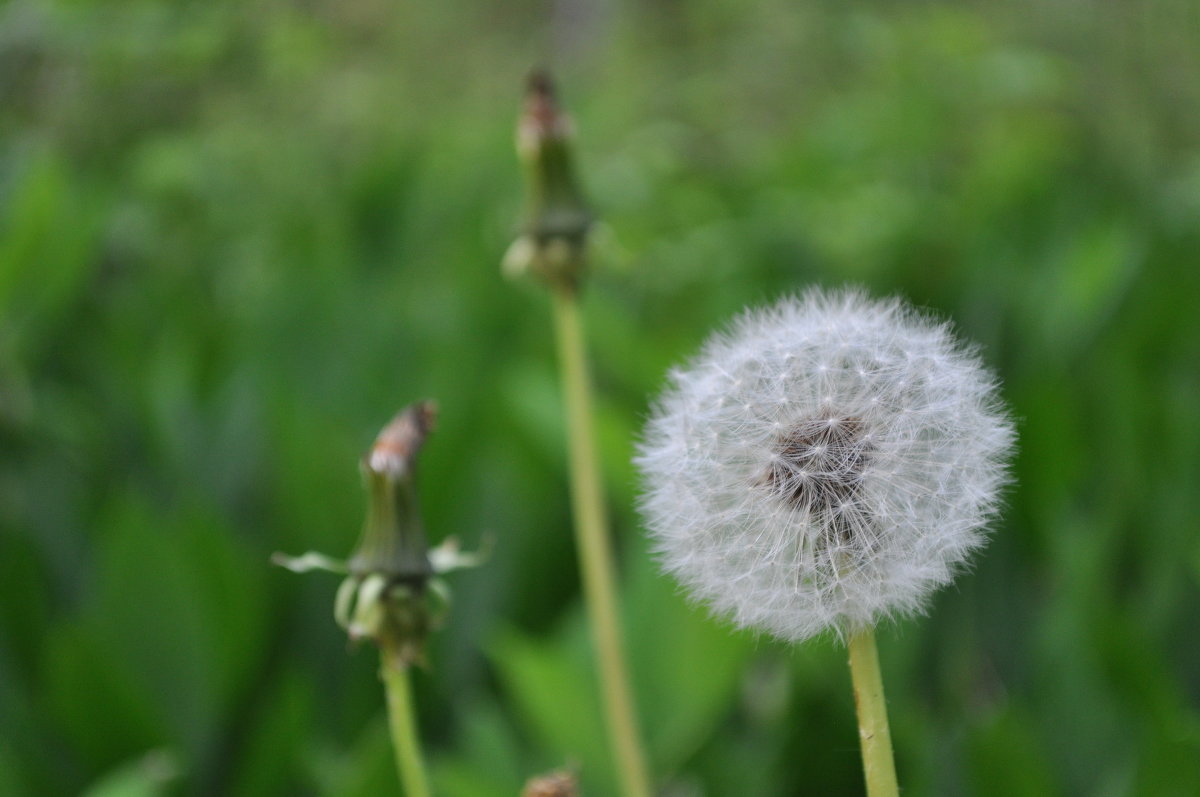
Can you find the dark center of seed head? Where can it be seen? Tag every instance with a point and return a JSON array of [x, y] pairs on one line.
[[820, 463]]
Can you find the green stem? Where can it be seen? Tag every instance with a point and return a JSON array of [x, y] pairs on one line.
[[402, 721], [595, 552], [878, 766]]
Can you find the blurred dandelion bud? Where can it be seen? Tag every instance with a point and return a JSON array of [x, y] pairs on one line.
[[553, 234], [825, 464], [563, 783], [391, 588]]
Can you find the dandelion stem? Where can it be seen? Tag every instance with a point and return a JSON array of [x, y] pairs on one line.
[[878, 766], [595, 552], [402, 720]]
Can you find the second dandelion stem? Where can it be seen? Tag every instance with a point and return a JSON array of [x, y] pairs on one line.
[[595, 551], [874, 735], [402, 720]]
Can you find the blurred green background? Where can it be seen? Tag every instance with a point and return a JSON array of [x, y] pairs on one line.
[[235, 237]]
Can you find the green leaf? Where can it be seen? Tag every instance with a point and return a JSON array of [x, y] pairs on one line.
[[687, 666], [148, 776], [85, 680], [553, 686], [177, 615], [486, 760], [1007, 758], [278, 734], [47, 235]]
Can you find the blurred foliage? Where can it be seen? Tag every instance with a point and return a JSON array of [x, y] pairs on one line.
[[236, 236]]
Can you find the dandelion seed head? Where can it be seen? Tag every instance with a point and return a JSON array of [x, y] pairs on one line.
[[824, 464]]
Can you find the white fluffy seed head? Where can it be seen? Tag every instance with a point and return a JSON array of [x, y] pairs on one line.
[[826, 463]]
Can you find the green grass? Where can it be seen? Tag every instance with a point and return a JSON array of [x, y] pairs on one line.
[[236, 237]]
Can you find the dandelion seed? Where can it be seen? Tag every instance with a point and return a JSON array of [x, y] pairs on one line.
[[826, 463]]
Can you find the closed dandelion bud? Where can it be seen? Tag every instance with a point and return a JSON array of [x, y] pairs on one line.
[[553, 236], [824, 464], [390, 570], [393, 539], [392, 587]]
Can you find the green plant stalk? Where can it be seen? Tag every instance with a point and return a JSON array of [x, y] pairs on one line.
[[402, 720], [878, 767], [595, 552]]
